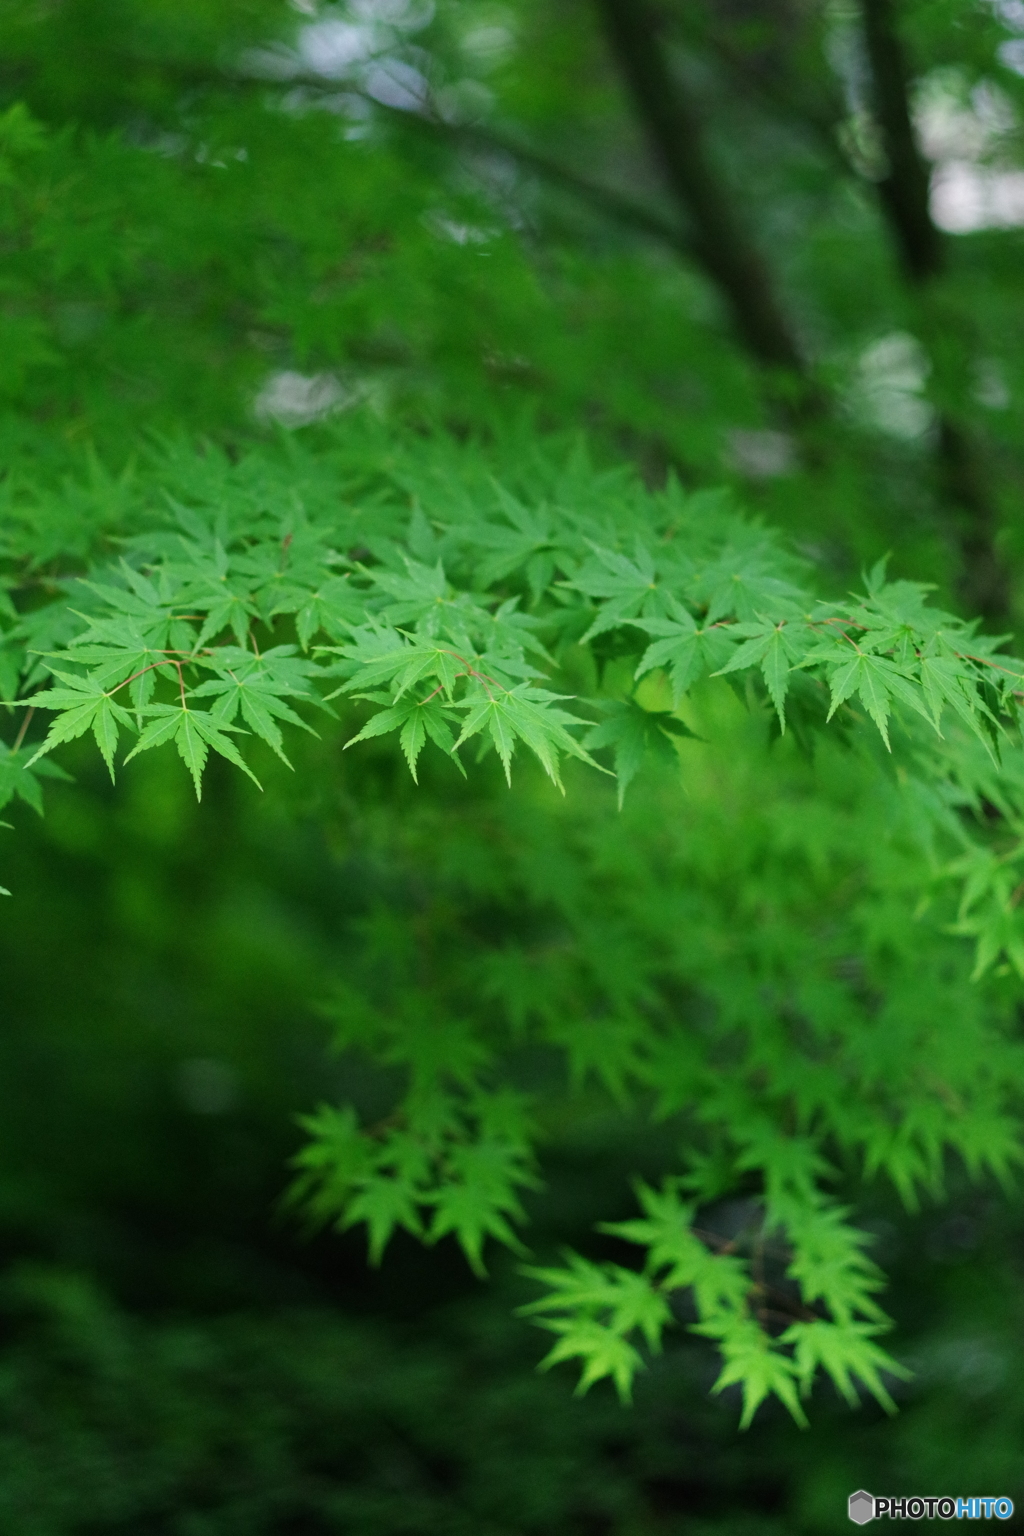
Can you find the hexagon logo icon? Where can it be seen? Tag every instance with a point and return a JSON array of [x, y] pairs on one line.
[[861, 1507]]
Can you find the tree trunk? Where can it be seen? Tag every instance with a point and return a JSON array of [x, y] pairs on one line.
[[719, 243]]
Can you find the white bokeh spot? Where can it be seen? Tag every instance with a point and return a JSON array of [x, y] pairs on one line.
[[888, 388], [297, 399]]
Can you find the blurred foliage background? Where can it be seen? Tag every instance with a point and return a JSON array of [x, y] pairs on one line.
[[236, 221]]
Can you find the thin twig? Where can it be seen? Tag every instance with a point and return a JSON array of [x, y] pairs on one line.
[[26, 722]]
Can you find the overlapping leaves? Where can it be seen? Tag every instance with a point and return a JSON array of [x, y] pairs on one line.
[[473, 630], [466, 646], [603, 1314]]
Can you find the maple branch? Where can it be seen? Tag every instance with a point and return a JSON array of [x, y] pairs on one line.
[[152, 667]]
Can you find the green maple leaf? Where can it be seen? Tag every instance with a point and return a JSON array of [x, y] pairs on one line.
[[333, 607], [379, 655], [675, 1068], [753, 1362], [634, 734], [506, 634], [526, 539], [141, 604], [746, 583], [84, 705], [438, 1049], [877, 681], [254, 691], [627, 1299], [523, 714], [630, 587], [417, 720], [895, 1149], [414, 595], [946, 680], [474, 1203], [666, 1220], [337, 1158], [830, 1264], [117, 653], [384, 1203], [844, 1350], [639, 1304], [773, 647], [688, 651], [17, 781], [234, 610], [790, 1163], [990, 1137], [719, 1281], [609, 1046], [602, 1351], [195, 733]]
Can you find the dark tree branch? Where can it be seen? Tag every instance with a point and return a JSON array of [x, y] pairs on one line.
[[720, 244], [714, 240], [904, 189], [983, 582], [616, 205], [765, 71], [610, 201]]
